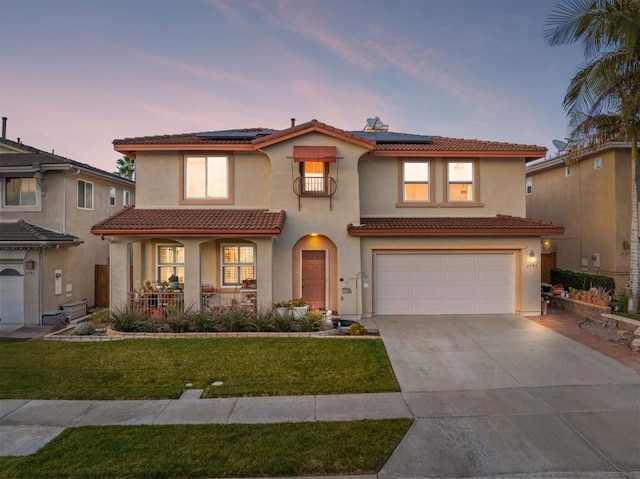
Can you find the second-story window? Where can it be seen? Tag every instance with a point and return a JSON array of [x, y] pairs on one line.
[[126, 198], [315, 176], [206, 177], [460, 179], [528, 182], [20, 192], [112, 196], [85, 195], [415, 181]]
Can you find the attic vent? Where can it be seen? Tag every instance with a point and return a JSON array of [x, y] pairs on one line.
[[375, 124]]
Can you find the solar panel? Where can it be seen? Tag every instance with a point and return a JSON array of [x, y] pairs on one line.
[[391, 137], [250, 134]]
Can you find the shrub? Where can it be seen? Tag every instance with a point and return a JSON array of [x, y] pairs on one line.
[[582, 281], [84, 328], [100, 317], [356, 329], [126, 319], [179, 318], [312, 321], [263, 319], [204, 322], [283, 325], [234, 319]]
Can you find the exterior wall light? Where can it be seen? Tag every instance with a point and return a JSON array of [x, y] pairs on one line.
[[30, 265], [532, 260]]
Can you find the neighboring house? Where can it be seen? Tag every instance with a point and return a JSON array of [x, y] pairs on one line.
[[591, 196], [47, 252], [359, 222]]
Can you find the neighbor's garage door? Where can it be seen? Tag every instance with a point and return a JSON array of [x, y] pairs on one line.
[[440, 283], [11, 294]]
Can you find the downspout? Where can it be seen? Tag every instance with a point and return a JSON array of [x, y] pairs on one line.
[[40, 284], [64, 199]]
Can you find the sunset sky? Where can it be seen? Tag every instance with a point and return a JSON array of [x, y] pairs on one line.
[[76, 74]]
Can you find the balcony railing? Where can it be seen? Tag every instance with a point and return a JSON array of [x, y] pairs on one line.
[[162, 303], [311, 187]]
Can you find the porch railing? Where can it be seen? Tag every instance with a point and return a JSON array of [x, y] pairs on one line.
[[162, 302]]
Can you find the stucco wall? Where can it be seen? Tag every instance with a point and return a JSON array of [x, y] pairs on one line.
[[315, 215], [158, 176], [501, 183], [593, 206]]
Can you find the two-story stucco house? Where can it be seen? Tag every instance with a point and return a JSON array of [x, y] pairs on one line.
[[360, 222], [591, 196], [47, 252]]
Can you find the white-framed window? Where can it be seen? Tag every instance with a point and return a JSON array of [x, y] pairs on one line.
[[238, 263], [170, 261], [112, 196], [597, 163], [85, 195], [416, 177], [20, 192], [460, 175], [126, 198], [568, 171], [206, 177], [528, 183], [315, 175]]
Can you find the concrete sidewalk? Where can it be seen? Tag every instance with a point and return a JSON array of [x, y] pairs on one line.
[[27, 425]]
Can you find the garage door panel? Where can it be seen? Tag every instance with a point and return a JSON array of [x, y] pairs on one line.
[[427, 275], [431, 291], [445, 283]]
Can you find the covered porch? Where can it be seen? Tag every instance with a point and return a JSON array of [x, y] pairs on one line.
[[207, 259]]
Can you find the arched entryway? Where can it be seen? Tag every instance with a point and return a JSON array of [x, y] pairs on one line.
[[315, 266]]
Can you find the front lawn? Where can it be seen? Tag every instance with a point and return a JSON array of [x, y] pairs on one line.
[[194, 451], [161, 368]]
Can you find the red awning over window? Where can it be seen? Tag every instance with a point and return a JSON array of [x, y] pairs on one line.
[[315, 153]]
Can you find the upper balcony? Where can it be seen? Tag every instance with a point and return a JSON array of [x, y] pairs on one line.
[[315, 187]]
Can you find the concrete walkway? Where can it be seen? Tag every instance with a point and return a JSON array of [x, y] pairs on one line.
[[27, 425], [493, 396]]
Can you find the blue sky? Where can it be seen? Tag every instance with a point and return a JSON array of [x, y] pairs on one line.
[[75, 74]]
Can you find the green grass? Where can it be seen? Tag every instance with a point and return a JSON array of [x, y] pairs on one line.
[[160, 368], [629, 315], [194, 451]]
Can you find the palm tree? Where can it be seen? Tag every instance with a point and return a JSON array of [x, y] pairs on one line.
[[126, 167], [603, 98]]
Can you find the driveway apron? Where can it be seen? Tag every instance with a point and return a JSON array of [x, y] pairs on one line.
[[501, 395]]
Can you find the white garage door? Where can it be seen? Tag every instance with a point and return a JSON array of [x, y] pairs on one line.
[[11, 294], [455, 283]]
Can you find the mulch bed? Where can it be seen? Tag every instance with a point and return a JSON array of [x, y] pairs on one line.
[[589, 334]]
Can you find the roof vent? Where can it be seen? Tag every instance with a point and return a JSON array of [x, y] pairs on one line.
[[375, 124]]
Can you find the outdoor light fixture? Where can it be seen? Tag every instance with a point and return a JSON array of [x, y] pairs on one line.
[[546, 243], [30, 265], [532, 259]]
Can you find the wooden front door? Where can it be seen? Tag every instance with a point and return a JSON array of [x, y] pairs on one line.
[[313, 278]]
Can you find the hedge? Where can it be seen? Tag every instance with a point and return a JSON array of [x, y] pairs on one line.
[[584, 281]]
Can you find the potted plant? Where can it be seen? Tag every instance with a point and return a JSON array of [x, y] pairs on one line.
[[282, 307], [173, 281], [300, 308]]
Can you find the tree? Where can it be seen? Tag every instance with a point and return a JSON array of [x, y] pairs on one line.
[[126, 167], [603, 98]]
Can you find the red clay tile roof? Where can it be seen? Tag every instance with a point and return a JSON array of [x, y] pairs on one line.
[[197, 222], [450, 226], [20, 234], [440, 145]]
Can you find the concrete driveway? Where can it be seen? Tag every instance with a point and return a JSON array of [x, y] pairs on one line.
[[502, 396]]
